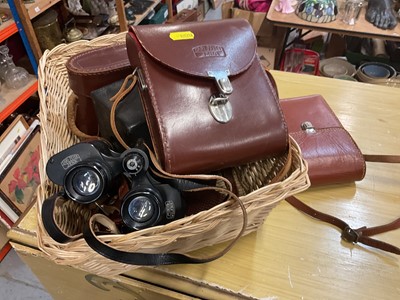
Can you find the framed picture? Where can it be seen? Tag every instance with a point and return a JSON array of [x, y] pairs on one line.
[[18, 182], [12, 135]]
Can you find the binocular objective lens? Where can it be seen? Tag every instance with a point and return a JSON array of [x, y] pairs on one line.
[[141, 209], [86, 182]]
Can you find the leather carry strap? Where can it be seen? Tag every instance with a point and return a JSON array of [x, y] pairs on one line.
[[116, 99], [48, 209], [359, 235], [100, 245], [71, 114], [362, 234], [97, 242], [382, 158]]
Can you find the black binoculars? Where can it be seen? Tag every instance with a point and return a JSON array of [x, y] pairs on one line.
[[92, 172]]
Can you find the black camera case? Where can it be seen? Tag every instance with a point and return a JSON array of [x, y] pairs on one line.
[[130, 120]]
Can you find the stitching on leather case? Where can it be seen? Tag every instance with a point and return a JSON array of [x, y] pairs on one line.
[[360, 156], [101, 70], [275, 94], [164, 142]]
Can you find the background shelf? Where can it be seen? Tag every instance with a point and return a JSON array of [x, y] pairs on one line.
[[11, 99], [7, 29]]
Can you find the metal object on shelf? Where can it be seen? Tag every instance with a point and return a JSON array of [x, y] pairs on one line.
[[48, 30], [72, 33]]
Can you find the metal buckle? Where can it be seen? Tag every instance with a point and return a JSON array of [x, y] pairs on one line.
[[220, 108], [350, 235], [219, 105], [222, 80], [143, 84]]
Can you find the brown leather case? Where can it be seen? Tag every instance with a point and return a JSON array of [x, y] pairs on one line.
[[186, 15], [90, 70], [186, 137], [330, 151]]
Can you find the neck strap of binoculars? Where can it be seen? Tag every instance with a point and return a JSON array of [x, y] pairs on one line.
[[99, 240], [101, 243]]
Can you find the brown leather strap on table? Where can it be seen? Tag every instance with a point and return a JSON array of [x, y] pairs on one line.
[[382, 158], [360, 235]]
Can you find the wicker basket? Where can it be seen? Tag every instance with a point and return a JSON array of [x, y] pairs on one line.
[[213, 226]]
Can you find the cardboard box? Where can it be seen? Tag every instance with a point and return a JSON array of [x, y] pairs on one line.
[[269, 37], [267, 57], [216, 3], [186, 15], [256, 19], [202, 9], [186, 4]]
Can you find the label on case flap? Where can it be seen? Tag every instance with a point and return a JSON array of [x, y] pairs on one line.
[[181, 35]]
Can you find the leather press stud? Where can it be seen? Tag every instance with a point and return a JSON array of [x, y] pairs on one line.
[[143, 84], [308, 127], [219, 105]]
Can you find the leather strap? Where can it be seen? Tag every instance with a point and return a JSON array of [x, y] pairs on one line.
[[49, 223], [100, 245], [359, 235], [118, 97], [71, 114], [382, 158]]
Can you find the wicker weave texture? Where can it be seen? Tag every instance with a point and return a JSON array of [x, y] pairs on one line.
[[206, 228]]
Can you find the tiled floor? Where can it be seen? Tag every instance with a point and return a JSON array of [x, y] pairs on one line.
[[17, 282]]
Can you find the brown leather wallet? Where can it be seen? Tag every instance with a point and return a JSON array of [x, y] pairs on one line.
[[90, 70], [330, 151]]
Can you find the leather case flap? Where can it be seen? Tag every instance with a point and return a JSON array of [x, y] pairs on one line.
[[330, 151], [95, 68], [311, 108], [100, 60], [176, 45], [90, 70]]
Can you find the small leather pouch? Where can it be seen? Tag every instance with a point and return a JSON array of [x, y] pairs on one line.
[[90, 70], [129, 116], [208, 102], [330, 151]]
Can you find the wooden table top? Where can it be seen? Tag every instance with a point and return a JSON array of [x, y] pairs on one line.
[[293, 256], [362, 28]]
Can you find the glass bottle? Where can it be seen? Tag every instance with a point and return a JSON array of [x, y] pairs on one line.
[[3, 62], [14, 77]]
